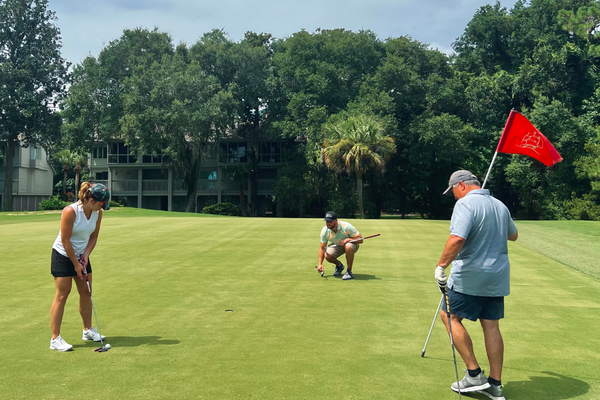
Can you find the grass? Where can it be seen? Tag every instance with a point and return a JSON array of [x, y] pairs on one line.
[[163, 283]]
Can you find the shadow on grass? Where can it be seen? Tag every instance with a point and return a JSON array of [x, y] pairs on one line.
[[131, 341], [552, 387], [361, 277]]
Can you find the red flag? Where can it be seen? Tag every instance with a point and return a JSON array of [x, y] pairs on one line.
[[521, 137]]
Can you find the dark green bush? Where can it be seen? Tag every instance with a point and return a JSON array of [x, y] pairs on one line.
[[584, 208], [223, 209], [53, 203], [113, 204]]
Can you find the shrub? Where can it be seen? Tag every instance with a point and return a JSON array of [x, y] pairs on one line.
[[223, 209], [113, 203], [584, 208], [53, 203]]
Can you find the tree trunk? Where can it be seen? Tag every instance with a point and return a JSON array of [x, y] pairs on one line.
[[359, 189], [191, 181], [77, 170], [64, 190], [243, 200], [8, 177]]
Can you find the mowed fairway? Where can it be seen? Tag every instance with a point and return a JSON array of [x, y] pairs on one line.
[[164, 281]]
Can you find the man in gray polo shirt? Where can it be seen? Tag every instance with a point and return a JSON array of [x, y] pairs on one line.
[[477, 249]]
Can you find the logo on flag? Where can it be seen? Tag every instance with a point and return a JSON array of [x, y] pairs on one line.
[[532, 141]]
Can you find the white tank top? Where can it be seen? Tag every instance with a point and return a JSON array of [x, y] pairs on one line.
[[82, 229]]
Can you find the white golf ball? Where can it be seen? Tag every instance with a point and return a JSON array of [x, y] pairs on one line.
[[107, 346]]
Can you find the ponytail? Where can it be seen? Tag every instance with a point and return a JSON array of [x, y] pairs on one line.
[[84, 191]]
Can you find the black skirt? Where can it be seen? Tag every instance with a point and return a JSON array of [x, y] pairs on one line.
[[62, 266]]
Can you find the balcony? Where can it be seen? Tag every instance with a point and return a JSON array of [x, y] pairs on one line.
[[158, 185], [124, 187]]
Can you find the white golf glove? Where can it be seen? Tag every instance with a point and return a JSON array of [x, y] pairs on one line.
[[440, 276]]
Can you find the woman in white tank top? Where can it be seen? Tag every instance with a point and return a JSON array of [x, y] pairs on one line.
[[78, 235]]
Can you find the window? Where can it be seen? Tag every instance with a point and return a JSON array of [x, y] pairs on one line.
[[102, 176], [235, 152], [208, 175], [35, 153], [99, 152], [270, 152], [121, 154]]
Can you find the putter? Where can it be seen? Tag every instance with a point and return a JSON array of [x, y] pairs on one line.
[[445, 295], [322, 272], [102, 348], [368, 237], [432, 324]]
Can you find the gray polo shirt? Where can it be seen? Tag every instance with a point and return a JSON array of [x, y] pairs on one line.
[[481, 268]]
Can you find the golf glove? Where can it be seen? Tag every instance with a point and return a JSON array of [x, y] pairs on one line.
[[440, 276]]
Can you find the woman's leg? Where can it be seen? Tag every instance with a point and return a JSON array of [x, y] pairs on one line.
[[63, 288], [85, 301]]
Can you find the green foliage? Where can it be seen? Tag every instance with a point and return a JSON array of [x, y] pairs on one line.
[[114, 204], [32, 75], [585, 208], [223, 209], [53, 203]]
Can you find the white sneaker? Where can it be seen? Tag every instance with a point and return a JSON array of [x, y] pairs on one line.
[[59, 344], [92, 334]]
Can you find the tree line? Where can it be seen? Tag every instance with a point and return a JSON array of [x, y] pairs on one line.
[[369, 124]]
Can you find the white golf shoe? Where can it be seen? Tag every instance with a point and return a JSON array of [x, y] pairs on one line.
[[92, 334], [59, 344]]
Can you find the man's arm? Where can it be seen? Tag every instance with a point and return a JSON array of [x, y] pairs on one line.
[[453, 246], [321, 256], [513, 237]]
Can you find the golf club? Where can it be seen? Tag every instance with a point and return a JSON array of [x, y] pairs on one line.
[[445, 295], [368, 237], [432, 324], [102, 348]]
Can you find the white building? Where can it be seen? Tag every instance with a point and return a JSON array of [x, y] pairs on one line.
[[32, 178]]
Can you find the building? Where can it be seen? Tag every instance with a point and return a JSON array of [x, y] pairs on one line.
[[32, 178], [146, 181]]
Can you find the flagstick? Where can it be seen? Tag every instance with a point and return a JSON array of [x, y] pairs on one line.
[[489, 170]]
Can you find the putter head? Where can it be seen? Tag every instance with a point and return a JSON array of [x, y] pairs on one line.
[[101, 349]]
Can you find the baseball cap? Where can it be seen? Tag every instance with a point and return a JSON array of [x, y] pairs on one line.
[[99, 192], [459, 176], [330, 216]]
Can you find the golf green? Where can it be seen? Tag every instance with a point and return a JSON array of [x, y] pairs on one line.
[[164, 282]]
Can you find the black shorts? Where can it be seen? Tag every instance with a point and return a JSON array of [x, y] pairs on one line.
[[62, 266], [475, 307]]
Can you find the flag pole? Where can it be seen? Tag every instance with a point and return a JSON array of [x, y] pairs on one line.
[[489, 170]]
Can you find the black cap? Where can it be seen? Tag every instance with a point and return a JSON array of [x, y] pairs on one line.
[[330, 216]]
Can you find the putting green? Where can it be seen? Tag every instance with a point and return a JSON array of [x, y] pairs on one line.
[[163, 282]]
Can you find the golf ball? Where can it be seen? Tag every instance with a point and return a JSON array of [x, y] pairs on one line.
[[107, 346]]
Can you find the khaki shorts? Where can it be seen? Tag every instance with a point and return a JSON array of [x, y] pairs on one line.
[[336, 250]]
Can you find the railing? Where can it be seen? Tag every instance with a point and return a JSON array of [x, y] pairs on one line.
[[233, 185], [125, 186], [207, 186], [133, 158], [161, 185]]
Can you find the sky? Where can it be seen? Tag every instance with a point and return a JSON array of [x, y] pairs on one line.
[[87, 26]]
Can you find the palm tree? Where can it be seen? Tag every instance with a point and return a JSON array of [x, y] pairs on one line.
[[79, 159], [67, 158], [355, 145]]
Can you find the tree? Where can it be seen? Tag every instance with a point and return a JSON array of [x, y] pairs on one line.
[[32, 75], [355, 145], [175, 108]]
